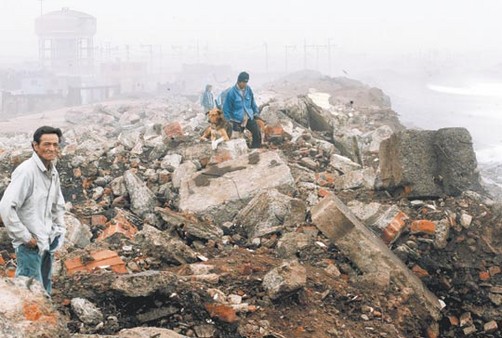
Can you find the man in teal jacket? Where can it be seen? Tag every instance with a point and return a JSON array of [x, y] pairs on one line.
[[240, 109]]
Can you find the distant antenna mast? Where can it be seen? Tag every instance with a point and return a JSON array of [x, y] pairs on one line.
[[41, 7]]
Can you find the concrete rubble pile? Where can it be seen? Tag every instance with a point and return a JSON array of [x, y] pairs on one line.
[[344, 224]]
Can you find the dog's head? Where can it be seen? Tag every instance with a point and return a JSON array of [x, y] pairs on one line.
[[214, 116]]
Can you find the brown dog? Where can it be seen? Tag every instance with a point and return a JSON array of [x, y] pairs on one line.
[[218, 128], [262, 125]]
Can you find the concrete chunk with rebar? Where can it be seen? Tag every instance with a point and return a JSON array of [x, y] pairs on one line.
[[366, 250]]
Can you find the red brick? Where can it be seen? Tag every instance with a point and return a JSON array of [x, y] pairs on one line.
[[419, 271], [221, 156], [10, 272], [77, 172], [101, 259], [173, 130], [323, 192], [325, 179], [454, 321], [433, 330], [98, 220], [222, 312], [33, 311], [394, 228], [423, 226], [164, 178], [86, 183], [274, 131], [484, 275], [119, 224]]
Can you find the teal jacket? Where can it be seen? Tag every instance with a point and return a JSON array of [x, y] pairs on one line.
[[236, 104]]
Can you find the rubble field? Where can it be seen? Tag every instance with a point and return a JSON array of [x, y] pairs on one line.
[[344, 224]]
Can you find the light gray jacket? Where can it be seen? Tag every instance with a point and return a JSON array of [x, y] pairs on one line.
[[33, 206]]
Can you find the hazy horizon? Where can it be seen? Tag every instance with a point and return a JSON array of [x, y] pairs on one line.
[[267, 34]]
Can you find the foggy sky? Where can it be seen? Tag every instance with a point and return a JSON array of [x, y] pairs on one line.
[[223, 27], [355, 25]]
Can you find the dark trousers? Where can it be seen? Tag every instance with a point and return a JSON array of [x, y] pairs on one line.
[[252, 126]]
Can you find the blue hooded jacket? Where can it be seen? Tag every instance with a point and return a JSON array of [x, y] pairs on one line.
[[236, 105]]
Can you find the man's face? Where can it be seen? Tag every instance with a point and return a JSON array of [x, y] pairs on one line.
[[48, 147], [242, 84]]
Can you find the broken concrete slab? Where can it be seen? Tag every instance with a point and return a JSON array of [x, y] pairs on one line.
[[408, 162], [77, 233], [142, 199], [362, 178], [235, 180], [145, 283], [343, 164], [191, 226], [270, 211], [457, 161], [86, 311], [161, 245], [368, 252], [184, 170], [292, 243], [229, 150], [429, 164], [284, 280]]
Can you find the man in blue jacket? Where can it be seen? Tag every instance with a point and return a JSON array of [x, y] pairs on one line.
[[241, 110]]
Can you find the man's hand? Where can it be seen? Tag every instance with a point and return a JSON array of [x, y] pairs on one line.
[[32, 243]]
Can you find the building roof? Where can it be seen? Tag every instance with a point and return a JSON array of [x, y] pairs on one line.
[[65, 22], [65, 11]]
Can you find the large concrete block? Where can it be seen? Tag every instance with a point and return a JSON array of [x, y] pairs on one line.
[[428, 164], [234, 180]]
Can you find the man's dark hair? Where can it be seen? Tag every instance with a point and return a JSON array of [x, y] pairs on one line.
[[46, 130], [243, 77]]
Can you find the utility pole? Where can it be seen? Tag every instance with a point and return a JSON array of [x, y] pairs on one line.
[[198, 52], [266, 57], [286, 48], [305, 46], [329, 55], [161, 66], [317, 48], [150, 51]]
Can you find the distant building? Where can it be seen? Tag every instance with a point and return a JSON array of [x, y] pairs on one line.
[[131, 77], [66, 42]]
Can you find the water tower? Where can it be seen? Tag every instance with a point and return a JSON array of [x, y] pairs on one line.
[[66, 42]]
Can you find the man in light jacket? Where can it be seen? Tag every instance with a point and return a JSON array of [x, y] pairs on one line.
[[32, 208], [241, 109]]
